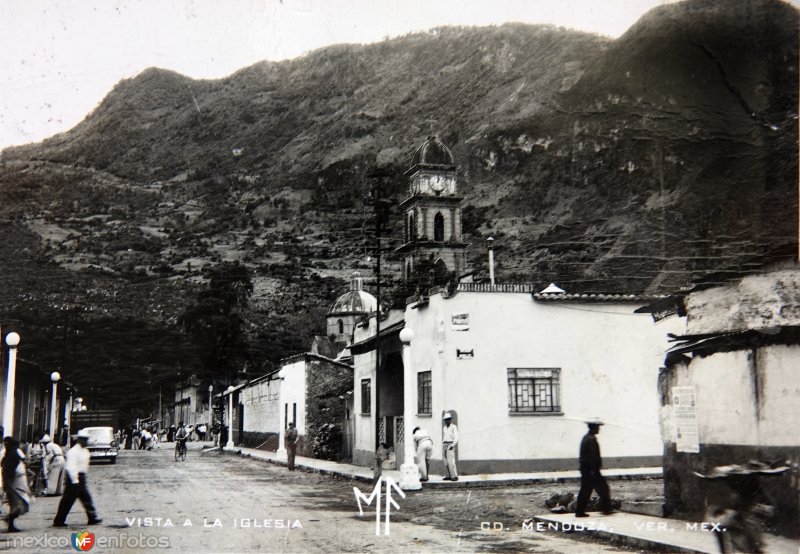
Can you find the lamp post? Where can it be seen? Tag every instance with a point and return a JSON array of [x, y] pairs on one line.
[[12, 340], [229, 444], [283, 415], [55, 377], [78, 404], [409, 479], [68, 417]]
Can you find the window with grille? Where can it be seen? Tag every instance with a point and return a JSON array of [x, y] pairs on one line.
[[424, 392], [534, 390], [366, 397]]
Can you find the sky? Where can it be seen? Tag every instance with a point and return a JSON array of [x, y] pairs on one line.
[[59, 58]]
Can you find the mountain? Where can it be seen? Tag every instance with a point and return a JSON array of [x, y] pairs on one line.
[[628, 165]]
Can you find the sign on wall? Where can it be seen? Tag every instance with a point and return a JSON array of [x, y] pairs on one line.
[[684, 419], [460, 322]]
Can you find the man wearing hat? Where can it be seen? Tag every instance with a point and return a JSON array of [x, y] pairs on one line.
[[53, 466], [590, 464], [77, 469], [449, 443]]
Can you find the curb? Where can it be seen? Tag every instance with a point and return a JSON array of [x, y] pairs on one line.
[[309, 469], [483, 483]]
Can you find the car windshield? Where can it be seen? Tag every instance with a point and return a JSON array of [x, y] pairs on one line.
[[101, 434]]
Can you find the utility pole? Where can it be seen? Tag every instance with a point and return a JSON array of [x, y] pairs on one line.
[[381, 206]]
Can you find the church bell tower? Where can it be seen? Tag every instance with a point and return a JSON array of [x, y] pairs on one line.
[[432, 216]]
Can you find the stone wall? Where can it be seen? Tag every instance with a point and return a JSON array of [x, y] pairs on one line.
[[327, 383]]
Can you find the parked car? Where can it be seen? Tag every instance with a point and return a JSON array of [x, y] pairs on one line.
[[102, 445]]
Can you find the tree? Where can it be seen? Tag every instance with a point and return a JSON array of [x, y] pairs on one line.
[[216, 321]]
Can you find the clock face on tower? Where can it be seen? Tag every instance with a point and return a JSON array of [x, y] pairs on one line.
[[437, 183]]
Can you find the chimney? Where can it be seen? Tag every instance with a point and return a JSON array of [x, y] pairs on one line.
[[490, 242]]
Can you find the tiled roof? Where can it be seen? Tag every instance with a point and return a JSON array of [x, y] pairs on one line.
[[570, 297]]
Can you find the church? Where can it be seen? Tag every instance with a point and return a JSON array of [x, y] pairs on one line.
[[518, 367]]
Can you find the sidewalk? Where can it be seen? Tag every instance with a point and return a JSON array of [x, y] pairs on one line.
[[649, 533], [365, 474]]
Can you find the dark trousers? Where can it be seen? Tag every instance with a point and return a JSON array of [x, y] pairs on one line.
[[291, 451], [73, 492], [593, 480]]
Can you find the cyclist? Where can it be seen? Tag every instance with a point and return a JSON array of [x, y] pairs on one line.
[[180, 439]]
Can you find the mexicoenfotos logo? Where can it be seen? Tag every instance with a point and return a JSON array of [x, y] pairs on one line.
[[82, 541]]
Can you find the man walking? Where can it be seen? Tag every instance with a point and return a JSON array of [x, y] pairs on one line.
[[424, 451], [449, 443], [290, 441], [77, 469], [591, 479]]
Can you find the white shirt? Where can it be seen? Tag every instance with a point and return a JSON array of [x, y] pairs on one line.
[[450, 434], [77, 462], [51, 451], [421, 435]]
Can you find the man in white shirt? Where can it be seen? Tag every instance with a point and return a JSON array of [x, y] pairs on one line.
[[424, 451], [449, 443], [53, 467], [77, 469]]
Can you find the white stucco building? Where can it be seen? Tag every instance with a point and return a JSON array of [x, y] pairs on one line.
[[310, 391], [520, 371]]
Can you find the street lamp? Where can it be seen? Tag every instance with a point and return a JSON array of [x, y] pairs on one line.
[[229, 444], [283, 415], [409, 478], [78, 404], [55, 377], [68, 418], [12, 340]]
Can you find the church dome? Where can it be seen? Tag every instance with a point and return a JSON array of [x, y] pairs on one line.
[[356, 300], [434, 153]]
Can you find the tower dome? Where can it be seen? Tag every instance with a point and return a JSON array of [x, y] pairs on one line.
[[433, 153], [348, 310], [354, 301]]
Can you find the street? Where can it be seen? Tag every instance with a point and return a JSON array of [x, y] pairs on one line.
[[220, 503]]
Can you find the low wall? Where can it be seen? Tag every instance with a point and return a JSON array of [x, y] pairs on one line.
[[263, 441]]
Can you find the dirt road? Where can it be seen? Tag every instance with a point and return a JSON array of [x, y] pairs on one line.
[[217, 503]]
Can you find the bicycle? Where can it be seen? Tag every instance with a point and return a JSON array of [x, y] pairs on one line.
[[744, 513], [180, 449]]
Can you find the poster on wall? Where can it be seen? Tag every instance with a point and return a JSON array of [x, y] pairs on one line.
[[684, 415], [460, 322]]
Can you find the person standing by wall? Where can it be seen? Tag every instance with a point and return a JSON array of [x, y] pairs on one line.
[[290, 441], [449, 443], [77, 469], [590, 463], [424, 447], [53, 460], [15, 481]]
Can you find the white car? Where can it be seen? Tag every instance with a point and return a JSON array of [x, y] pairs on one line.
[[102, 445]]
